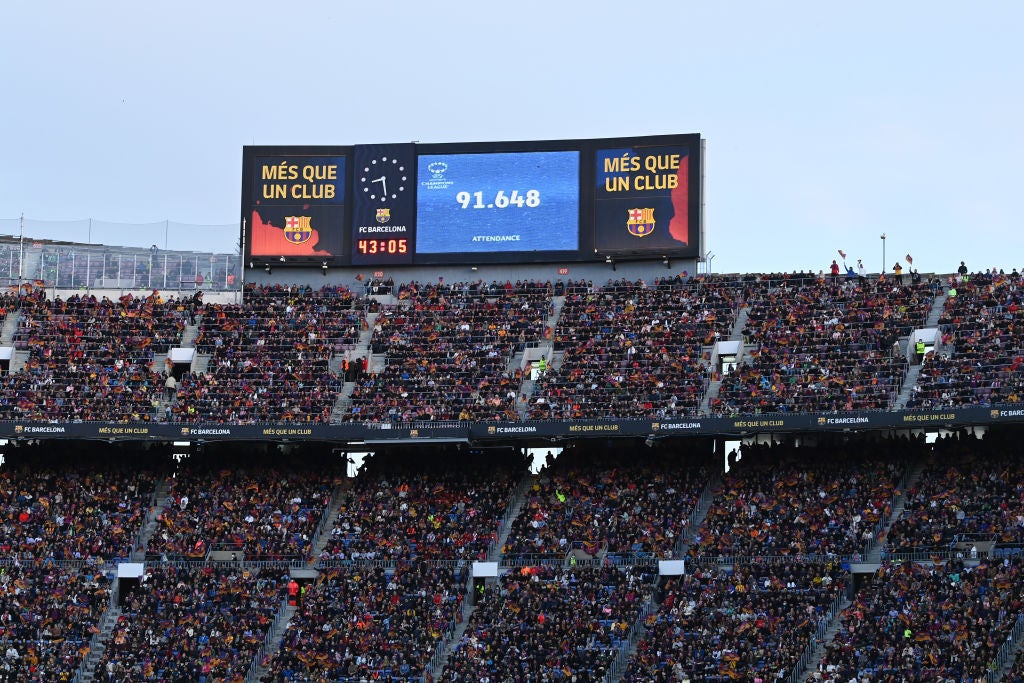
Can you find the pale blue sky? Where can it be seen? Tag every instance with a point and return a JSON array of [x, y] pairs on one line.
[[827, 124]]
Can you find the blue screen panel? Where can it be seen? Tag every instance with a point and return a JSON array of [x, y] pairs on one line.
[[500, 202]]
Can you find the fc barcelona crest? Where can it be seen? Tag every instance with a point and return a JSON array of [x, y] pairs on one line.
[[383, 215], [640, 222], [297, 229]]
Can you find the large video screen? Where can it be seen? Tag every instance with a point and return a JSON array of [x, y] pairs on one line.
[[642, 199], [498, 202], [411, 203], [297, 206]]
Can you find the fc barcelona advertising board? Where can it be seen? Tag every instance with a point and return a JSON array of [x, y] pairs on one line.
[[295, 206], [539, 431], [644, 200], [491, 202]]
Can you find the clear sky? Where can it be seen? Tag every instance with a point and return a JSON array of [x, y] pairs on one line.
[[827, 124]]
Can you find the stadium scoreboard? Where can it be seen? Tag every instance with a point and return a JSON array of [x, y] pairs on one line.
[[479, 202]]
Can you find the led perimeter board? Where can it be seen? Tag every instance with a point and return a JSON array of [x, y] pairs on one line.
[[480, 202]]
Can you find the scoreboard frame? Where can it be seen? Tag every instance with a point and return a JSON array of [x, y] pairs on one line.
[[547, 201]]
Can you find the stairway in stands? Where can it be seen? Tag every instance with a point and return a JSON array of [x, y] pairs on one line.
[[150, 525], [512, 510], [874, 553], [817, 648], [736, 334], [275, 635], [97, 646], [554, 358], [910, 380], [699, 514], [339, 496], [361, 349], [272, 642]]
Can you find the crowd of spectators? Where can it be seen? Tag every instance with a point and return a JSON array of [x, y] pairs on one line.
[[368, 623], [822, 345], [550, 623], [79, 503], [90, 358], [609, 502], [258, 507], [48, 614], [1015, 674], [270, 358], [393, 572], [633, 349], [748, 623], [917, 622], [783, 501], [627, 348], [980, 353], [447, 349], [448, 507], [201, 623], [968, 492]]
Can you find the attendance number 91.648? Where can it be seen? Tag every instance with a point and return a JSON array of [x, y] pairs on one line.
[[475, 200]]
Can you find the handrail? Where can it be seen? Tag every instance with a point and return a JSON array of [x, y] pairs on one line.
[[269, 640], [819, 634], [1006, 651], [84, 665], [637, 630]]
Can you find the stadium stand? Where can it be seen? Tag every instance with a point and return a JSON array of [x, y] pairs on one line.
[[192, 623], [550, 623], [965, 502], [630, 349], [270, 357], [938, 623], [402, 510], [49, 616], [85, 504], [609, 506], [89, 358], [979, 358], [625, 349], [721, 624], [816, 556], [259, 508], [447, 350], [822, 345], [828, 507], [369, 624]]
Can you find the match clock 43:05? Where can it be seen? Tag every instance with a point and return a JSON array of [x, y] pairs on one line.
[[390, 246]]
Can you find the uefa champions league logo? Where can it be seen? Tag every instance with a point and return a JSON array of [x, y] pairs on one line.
[[437, 169]]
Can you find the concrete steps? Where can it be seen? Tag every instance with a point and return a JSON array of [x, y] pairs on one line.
[[440, 660], [338, 497], [10, 326], [200, 362], [512, 510], [874, 553], [272, 643], [935, 312], [97, 646], [820, 643], [150, 525], [697, 517], [190, 333]]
